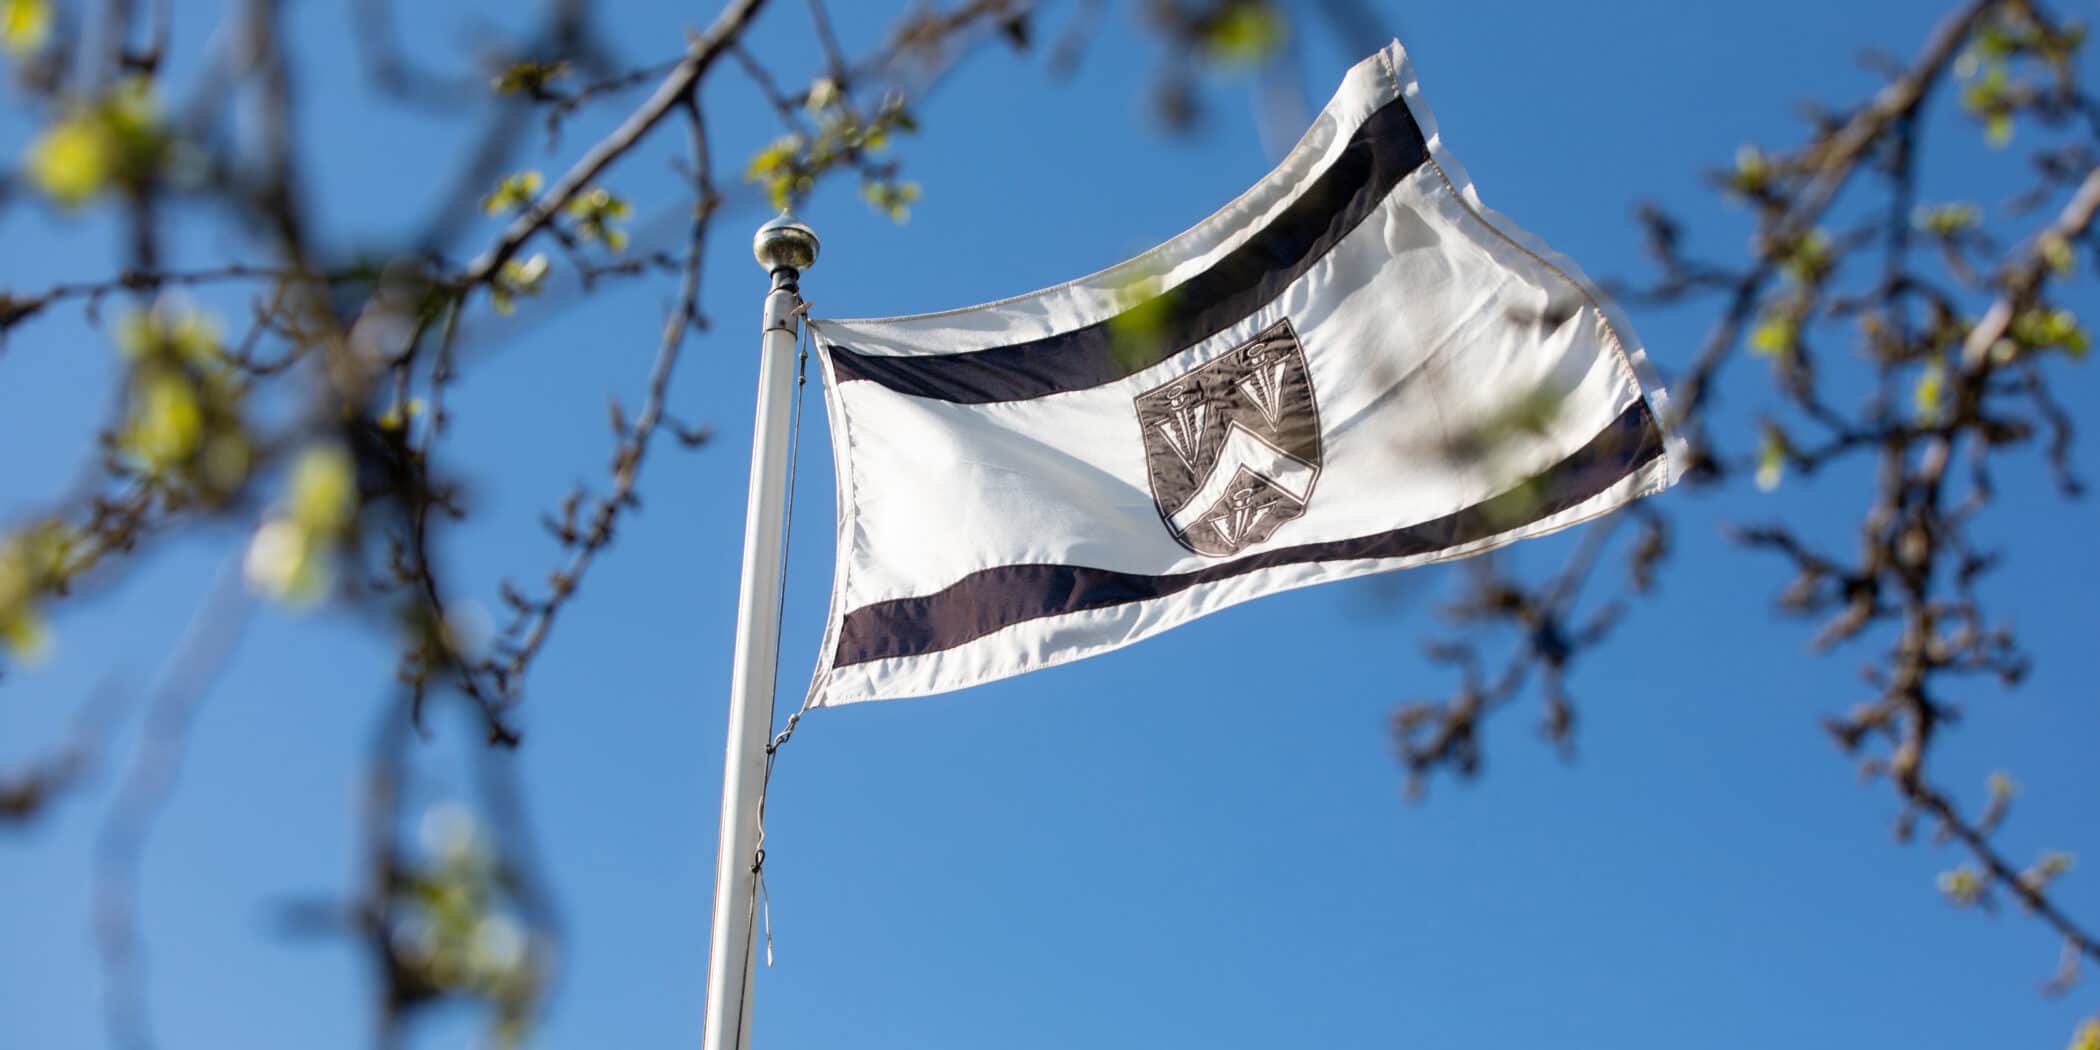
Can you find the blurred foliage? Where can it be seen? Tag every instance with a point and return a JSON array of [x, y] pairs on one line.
[[1246, 33], [518, 277], [453, 927], [314, 419], [514, 193], [2088, 1035], [35, 561], [532, 79], [185, 432], [1143, 306], [115, 141], [790, 167], [293, 555], [1962, 317], [595, 213], [24, 26]]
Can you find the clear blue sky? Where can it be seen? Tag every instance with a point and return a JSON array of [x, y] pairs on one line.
[[1200, 841]]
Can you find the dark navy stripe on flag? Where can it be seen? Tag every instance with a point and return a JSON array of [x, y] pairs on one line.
[[992, 599], [1386, 148]]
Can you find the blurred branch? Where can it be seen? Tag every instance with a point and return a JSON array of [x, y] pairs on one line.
[[675, 90], [16, 309], [27, 794], [352, 362], [585, 537], [1962, 366], [214, 631]]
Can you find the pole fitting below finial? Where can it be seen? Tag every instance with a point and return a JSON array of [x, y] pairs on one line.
[[785, 243]]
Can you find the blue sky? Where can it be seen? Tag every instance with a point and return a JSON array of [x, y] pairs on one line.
[[1199, 841]]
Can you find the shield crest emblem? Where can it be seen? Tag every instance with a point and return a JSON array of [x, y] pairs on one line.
[[1232, 447]]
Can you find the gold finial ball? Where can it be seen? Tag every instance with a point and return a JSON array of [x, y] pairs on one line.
[[785, 244]]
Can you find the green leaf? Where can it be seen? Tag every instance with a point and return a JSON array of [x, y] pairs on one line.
[[1775, 335], [1946, 220], [595, 211], [166, 422], [24, 26], [1809, 258], [1931, 386], [323, 489], [529, 78], [1771, 462], [892, 198], [2056, 252], [71, 161], [2054, 863], [1245, 33], [513, 193], [1998, 130], [769, 161], [1963, 885], [1752, 172], [517, 278], [24, 635], [823, 94], [2043, 329]]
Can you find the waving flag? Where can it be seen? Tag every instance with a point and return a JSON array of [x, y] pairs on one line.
[[1353, 368]]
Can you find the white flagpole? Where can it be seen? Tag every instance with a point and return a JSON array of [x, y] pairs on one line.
[[785, 248]]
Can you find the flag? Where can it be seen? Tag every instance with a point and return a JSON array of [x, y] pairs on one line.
[[1355, 367]]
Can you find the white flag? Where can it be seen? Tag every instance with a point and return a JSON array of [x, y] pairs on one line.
[[1355, 367]]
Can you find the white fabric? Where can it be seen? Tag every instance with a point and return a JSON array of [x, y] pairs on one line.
[[1426, 326]]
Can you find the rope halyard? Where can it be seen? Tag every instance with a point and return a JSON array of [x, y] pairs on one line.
[[758, 858]]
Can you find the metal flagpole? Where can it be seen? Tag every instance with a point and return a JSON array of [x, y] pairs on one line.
[[785, 248]]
